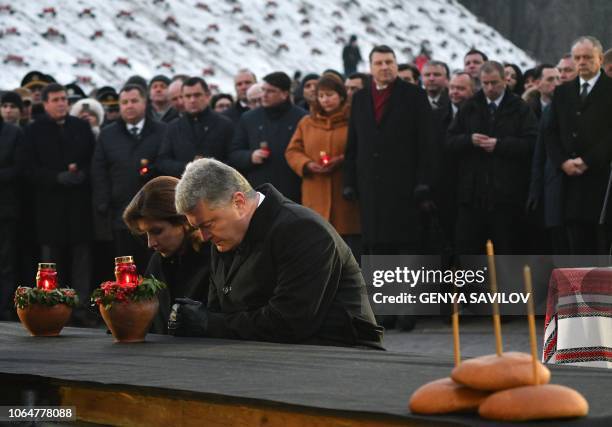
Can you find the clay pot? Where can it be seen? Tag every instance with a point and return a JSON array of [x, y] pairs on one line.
[[44, 320], [130, 321]]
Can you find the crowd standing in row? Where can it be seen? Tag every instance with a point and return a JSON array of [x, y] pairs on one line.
[[402, 160]]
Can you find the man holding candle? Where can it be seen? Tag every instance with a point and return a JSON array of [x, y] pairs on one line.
[[279, 271], [492, 139], [262, 136], [124, 160]]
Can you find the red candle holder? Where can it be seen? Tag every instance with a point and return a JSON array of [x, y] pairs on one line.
[[144, 167], [324, 158], [264, 147], [125, 270], [46, 276]]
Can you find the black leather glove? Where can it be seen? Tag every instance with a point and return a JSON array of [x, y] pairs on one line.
[[188, 318], [349, 194]]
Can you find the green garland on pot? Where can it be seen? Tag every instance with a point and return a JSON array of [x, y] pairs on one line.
[[110, 292], [25, 296]]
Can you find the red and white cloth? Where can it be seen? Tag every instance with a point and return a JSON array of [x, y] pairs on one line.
[[578, 327]]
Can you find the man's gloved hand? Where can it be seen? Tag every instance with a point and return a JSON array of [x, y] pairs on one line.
[[349, 194], [188, 318]]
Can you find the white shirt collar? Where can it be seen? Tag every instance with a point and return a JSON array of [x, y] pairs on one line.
[[496, 101], [138, 125], [261, 199], [590, 82], [454, 109]]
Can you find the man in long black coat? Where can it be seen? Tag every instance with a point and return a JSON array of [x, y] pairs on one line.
[[279, 271], [124, 160], [262, 136], [59, 152], [387, 157], [579, 142], [11, 163], [199, 132], [492, 139]]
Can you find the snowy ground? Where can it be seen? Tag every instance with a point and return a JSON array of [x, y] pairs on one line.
[[214, 39]]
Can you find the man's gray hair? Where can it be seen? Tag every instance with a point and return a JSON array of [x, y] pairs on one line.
[[211, 181], [596, 43], [246, 71], [492, 67]]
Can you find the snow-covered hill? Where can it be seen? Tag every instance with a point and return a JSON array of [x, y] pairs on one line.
[[100, 42]]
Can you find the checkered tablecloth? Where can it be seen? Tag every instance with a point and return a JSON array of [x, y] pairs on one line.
[[578, 327]]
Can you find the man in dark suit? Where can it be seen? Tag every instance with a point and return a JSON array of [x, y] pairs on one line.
[[199, 132], [579, 142], [124, 160], [59, 149], [387, 156], [262, 136], [491, 138], [279, 271]]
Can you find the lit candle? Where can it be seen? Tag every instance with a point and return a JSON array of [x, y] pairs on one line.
[[125, 270], [46, 276], [324, 158], [264, 147], [144, 167]]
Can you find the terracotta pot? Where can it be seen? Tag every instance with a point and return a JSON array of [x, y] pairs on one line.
[[44, 320], [130, 321]]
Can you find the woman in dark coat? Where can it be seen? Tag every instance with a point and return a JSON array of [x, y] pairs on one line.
[[181, 259]]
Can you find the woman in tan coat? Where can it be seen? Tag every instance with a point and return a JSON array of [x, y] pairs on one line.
[[316, 153]]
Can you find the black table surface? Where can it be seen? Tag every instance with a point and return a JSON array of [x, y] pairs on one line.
[[334, 378]]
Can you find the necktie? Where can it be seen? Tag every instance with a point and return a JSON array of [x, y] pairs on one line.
[[585, 91], [492, 108], [134, 131]]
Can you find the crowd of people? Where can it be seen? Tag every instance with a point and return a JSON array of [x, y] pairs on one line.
[[404, 159]]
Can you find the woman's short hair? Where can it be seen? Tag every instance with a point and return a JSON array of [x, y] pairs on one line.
[[154, 201], [329, 81]]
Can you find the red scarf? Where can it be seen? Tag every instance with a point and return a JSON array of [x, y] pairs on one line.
[[380, 97]]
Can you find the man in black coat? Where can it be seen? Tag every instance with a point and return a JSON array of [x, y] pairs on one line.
[[59, 152], [579, 142], [279, 271], [262, 136], [351, 56], [243, 80], [492, 139], [124, 160], [387, 157], [200, 132], [444, 170], [11, 163]]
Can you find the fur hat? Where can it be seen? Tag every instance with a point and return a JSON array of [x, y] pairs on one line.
[[88, 104]]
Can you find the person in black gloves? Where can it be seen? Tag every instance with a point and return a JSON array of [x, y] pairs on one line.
[[279, 271], [181, 258]]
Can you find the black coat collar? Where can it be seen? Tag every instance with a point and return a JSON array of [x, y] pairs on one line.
[[264, 215]]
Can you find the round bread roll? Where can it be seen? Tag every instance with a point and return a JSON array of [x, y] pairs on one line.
[[492, 372], [535, 402], [444, 396]]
